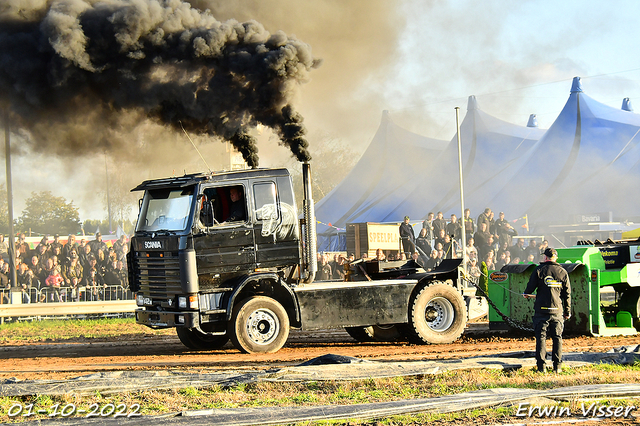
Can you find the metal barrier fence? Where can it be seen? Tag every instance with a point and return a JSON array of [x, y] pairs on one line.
[[64, 301], [65, 294]]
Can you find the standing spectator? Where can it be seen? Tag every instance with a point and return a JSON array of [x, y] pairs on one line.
[[552, 307], [488, 260], [5, 285], [324, 270], [532, 249], [53, 284], [71, 244], [423, 243], [56, 243], [84, 256], [432, 262], [504, 230], [440, 238], [472, 251], [502, 260], [492, 226], [469, 226], [22, 247], [111, 276], [473, 269], [94, 285], [41, 253], [4, 248], [484, 218], [428, 225], [453, 228], [72, 270], [121, 247], [36, 269], [98, 244], [517, 250], [338, 271], [481, 237], [407, 237], [25, 281], [438, 224]]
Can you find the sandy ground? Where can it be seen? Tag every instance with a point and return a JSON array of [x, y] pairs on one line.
[[66, 359]]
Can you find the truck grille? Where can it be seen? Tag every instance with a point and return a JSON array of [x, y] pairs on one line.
[[158, 273]]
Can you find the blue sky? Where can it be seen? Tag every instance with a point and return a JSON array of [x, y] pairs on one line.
[[516, 57]]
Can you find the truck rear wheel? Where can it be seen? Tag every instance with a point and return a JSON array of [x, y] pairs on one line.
[[437, 314], [198, 341], [259, 325]]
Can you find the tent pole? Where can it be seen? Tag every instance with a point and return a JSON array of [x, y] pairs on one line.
[[464, 235]]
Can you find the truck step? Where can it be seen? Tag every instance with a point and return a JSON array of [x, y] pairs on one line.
[[214, 311]]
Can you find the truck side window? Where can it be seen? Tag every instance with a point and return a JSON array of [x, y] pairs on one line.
[[264, 195]]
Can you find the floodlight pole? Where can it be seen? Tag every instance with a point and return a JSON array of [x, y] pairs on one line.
[[13, 276], [464, 234]]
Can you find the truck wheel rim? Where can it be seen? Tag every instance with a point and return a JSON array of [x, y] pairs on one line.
[[445, 314], [263, 326]]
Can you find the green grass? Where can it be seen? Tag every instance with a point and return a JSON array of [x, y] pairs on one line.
[[276, 394], [47, 330]]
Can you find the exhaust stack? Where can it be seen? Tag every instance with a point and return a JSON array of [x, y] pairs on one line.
[[310, 243]]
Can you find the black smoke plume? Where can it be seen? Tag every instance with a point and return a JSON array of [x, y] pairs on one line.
[[90, 61]]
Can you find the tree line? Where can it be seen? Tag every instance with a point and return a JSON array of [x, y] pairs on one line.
[[46, 213]]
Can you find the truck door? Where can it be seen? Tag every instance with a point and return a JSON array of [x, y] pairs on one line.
[[225, 245], [276, 230]]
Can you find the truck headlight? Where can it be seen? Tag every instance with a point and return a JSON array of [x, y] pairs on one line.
[[182, 302], [139, 299]]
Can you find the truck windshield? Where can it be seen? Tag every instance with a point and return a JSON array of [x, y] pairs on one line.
[[165, 210]]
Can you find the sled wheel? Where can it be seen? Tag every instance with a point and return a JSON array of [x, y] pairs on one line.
[[630, 301], [376, 333], [198, 341], [437, 314], [259, 325], [359, 333]]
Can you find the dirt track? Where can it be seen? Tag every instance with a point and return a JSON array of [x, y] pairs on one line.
[[65, 359]]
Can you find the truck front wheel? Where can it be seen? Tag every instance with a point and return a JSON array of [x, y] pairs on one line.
[[198, 341], [437, 314], [259, 325]]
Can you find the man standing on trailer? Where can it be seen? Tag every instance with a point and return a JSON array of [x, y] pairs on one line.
[[407, 237], [552, 307]]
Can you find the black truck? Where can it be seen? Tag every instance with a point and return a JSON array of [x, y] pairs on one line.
[[220, 256]]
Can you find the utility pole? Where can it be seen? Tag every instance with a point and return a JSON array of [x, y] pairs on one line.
[[106, 171], [12, 240]]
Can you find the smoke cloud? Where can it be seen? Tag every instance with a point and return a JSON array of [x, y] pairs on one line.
[[86, 69]]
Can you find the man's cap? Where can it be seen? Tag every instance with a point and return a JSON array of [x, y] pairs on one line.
[[487, 210], [406, 218], [98, 234], [549, 252]]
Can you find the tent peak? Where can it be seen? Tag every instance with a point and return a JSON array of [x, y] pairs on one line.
[[626, 105], [533, 121], [472, 103], [576, 86]]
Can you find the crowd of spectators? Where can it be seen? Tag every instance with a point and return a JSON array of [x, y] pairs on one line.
[[489, 240], [56, 271]]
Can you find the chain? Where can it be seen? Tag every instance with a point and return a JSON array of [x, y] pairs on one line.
[[513, 323]]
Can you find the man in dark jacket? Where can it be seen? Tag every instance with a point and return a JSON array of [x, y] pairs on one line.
[[552, 307], [408, 237]]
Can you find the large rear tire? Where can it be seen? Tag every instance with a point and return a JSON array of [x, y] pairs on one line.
[[198, 341], [437, 315], [259, 325]]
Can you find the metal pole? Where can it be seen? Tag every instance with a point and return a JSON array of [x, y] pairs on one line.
[[13, 276], [464, 234], [106, 172]]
